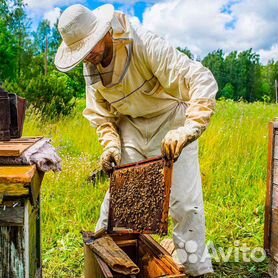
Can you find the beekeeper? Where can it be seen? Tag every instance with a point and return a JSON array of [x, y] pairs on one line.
[[145, 98]]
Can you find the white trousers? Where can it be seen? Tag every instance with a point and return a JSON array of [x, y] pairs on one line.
[[186, 209]]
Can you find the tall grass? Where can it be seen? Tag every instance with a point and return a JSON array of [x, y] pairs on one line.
[[233, 157]]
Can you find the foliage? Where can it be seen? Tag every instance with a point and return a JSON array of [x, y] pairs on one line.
[[27, 62], [237, 74], [233, 157], [7, 53], [57, 97], [186, 51], [27, 58]]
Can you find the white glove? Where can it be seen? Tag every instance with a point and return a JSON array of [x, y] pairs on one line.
[[110, 156], [175, 140]]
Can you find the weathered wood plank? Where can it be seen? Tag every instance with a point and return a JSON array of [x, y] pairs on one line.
[[11, 150], [275, 171], [274, 234], [12, 250], [17, 174], [275, 196], [36, 186], [38, 240], [160, 252], [276, 152], [33, 259], [273, 268], [25, 139], [276, 145], [13, 190], [268, 202], [11, 216], [92, 267], [16, 147]]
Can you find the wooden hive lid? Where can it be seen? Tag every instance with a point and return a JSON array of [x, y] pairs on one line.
[[17, 174], [148, 180], [18, 182], [15, 147]]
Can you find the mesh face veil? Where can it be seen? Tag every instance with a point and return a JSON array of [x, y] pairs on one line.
[[112, 74]]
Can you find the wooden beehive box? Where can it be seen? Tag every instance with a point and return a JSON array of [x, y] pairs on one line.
[[153, 260], [20, 234], [271, 211], [146, 181]]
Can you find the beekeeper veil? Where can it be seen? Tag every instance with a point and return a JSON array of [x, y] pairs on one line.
[[113, 74]]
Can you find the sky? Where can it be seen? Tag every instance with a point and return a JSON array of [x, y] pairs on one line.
[[200, 25]]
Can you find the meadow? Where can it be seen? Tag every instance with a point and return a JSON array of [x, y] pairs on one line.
[[233, 158]]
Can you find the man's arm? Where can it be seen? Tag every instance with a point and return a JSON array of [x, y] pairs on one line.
[[194, 83], [102, 116]]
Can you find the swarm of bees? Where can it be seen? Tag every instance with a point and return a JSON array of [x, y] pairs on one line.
[[136, 197]]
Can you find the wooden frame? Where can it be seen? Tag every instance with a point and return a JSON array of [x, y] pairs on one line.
[[167, 172]]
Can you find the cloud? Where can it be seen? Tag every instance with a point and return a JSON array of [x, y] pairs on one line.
[[47, 9], [134, 20], [46, 5], [204, 26], [270, 54], [131, 2], [52, 15]]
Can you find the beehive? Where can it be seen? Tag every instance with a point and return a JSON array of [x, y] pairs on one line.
[[136, 190], [271, 211], [20, 229]]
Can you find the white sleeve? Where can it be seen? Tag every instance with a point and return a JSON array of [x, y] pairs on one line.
[[194, 83], [102, 116]]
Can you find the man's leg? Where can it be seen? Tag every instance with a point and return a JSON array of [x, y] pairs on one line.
[[187, 211], [129, 155]]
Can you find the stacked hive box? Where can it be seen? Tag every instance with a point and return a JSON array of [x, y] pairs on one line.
[[271, 213], [20, 235]]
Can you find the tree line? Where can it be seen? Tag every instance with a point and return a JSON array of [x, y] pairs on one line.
[[27, 66]]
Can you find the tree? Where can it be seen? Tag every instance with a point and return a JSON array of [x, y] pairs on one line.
[[215, 62], [186, 51], [7, 53], [249, 75], [228, 91]]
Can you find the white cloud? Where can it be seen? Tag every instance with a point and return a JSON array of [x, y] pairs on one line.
[[134, 20], [47, 9], [46, 5], [267, 55], [132, 2], [52, 15], [204, 26]]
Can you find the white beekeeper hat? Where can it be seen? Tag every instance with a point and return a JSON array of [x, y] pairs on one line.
[[81, 29]]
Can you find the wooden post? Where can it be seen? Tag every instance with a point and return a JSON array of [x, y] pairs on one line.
[[276, 93], [271, 211]]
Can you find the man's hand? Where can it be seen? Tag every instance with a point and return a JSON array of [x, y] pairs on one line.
[[109, 156], [175, 140]]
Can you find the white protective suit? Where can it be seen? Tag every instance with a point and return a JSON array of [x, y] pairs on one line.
[[154, 89]]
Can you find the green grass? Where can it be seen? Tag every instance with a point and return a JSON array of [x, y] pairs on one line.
[[233, 157]]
